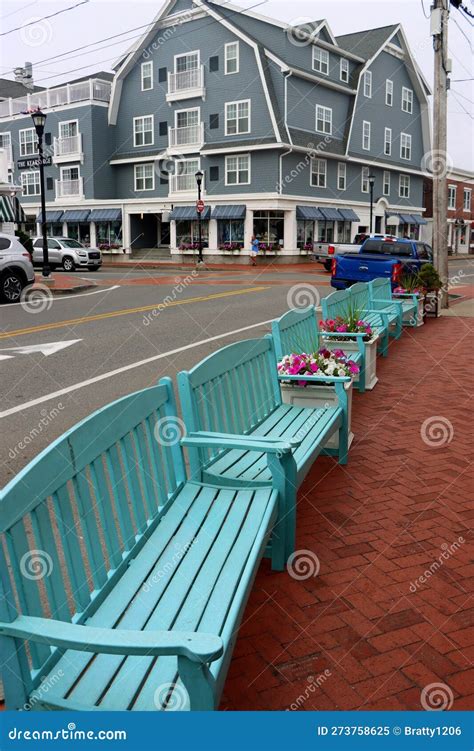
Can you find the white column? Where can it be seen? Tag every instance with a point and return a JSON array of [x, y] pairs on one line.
[[126, 230], [173, 247], [289, 229], [93, 235], [248, 230], [65, 234], [213, 245]]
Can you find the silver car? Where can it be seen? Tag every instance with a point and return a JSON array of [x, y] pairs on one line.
[[68, 253], [16, 269]]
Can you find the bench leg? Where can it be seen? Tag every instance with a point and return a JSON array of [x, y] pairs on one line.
[[284, 477], [384, 344], [199, 684]]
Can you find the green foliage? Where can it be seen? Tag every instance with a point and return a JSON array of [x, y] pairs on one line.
[[25, 240], [429, 278]]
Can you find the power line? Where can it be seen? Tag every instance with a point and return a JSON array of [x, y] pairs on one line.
[[426, 15], [464, 97], [44, 18], [461, 80], [455, 95], [463, 33]]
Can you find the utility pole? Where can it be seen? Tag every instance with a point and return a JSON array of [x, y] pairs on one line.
[[440, 161]]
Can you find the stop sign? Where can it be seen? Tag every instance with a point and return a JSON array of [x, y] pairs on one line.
[[200, 206]]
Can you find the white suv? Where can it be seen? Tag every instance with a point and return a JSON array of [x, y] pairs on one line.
[[68, 253], [16, 269]]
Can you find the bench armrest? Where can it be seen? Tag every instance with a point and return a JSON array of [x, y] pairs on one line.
[[197, 647], [386, 303], [204, 439]]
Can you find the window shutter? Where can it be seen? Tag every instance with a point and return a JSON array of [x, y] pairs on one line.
[[163, 129], [214, 64], [213, 122], [162, 75], [213, 174], [47, 139], [49, 183]]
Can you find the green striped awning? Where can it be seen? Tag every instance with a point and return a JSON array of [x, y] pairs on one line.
[[7, 213]]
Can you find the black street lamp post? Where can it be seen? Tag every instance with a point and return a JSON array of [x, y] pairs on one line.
[[39, 119], [371, 185], [199, 175]]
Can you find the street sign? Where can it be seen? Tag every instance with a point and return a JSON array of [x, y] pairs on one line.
[[34, 162], [200, 206]]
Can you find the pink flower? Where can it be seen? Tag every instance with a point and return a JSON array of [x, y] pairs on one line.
[[342, 327], [314, 367]]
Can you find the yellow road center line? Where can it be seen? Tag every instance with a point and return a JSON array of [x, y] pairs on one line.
[[127, 311]]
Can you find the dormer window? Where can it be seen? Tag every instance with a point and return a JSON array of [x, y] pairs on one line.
[[368, 84], [321, 60], [344, 70]]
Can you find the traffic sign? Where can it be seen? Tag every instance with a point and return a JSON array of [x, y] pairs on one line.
[[200, 206]]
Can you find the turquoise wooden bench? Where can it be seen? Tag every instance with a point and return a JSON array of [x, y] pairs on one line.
[[297, 331], [236, 391], [359, 295], [380, 291], [340, 303], [122, 582]]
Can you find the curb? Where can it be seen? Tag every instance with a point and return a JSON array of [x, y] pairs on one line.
[[58, 291]]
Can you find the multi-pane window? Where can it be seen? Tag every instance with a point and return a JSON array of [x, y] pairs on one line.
[[405, 146], [389, 92], [323, 119], [364, 180], [237, 169], [386, 183], [404, 186], [387, 142], [28, 142], [407, 100], [237, 117], [232, 58], [318, 173], [186, 62], [368, 83], [30, 183], [451, 197], [366, 135], [321, 60], [344, 70], [5, 143], [144, 176], [341, 176], [467, 199], [143, 131], [147, 76], [187, 118]]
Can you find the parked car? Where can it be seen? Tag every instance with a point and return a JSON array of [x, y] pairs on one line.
[[68, 253], [325, 252], [16, 269], [379, 258]]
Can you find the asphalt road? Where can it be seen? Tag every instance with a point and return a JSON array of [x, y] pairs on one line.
[[134, 329]]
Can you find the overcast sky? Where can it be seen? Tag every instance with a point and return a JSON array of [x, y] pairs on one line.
[[96, 19]]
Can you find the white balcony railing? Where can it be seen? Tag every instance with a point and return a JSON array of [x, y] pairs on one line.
[[8, 153], [191, 135], [94, 89], [185, 183], [187, 83], [68, 148], [69, 188]]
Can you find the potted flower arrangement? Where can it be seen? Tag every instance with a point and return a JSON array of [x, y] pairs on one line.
[[310, 394], [410, 285], [231, 246], [106, 247], [268, 247], [355, 335]]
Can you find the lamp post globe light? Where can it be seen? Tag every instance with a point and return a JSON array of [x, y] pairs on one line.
[[199, 175], [371, 185], [39, 119]]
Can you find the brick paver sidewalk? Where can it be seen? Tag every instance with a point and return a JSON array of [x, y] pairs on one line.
[[368, 632]]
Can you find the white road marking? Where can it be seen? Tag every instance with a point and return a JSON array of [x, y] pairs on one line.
[[47, 349], [6, 357], [60, 298], [124, 369]]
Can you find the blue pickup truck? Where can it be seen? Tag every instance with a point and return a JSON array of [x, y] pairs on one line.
[[379, 258]]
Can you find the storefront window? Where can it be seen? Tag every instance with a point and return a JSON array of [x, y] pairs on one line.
[[230, 232], [268, 227], [54, 229], [325, 232], [344, 232], [79, 231], [187, 234], [109, 233], [305, 234]]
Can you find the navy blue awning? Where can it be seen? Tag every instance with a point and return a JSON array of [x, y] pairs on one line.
[[77, 215], [330, 215], [189, 212], [51, 216], [310, 213], [105, 215], [407, 219], [349, 215], [229, 212], [419, 219]]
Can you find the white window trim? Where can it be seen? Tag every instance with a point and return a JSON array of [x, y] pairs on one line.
[[226, 46], [237, 102], [364, 123], [186, 109], [325, 109], [6, 133], [408, 100], [142, 190], [386, 180], [325, 162], [142, 117], [67, 122], [342, 172], [387, 82], [400, 194], [25, 130], [35, 182], [69, 167], [454, 189], [389, 141], [327, 60], [188, 54], [149, 88], [344, 68], [466, 192], [364, 178], [237, 156], [407, 146], [368, 78]]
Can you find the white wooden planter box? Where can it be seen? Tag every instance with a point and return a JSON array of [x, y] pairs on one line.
[[318, 396], [370, 357], [408, 317]]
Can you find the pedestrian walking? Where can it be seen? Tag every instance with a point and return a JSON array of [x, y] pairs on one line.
[[254, 250]]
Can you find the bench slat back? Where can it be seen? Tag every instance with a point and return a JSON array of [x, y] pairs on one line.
[[359, 296], [295, 332], [336, 304], [380, 289], [231, 391], [71, 519]]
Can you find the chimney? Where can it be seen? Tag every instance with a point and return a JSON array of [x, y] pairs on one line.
[[24, 75]]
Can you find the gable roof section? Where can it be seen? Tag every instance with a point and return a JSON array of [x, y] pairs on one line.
[[366, 43]]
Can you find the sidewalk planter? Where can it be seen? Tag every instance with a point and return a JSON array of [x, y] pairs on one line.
[[370, 357], [420, 314], [318, 396], [433, 304]]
